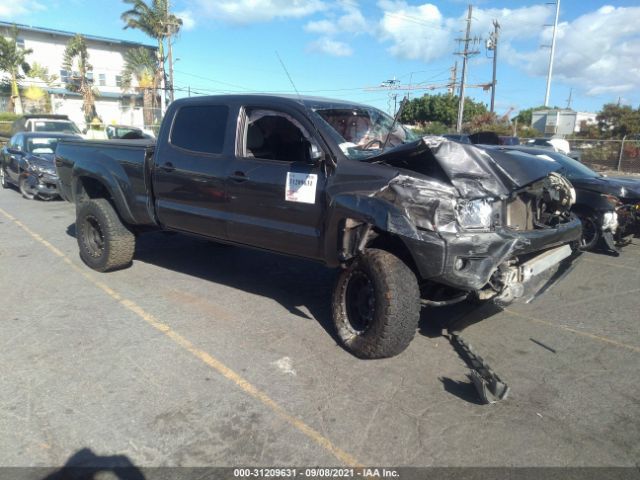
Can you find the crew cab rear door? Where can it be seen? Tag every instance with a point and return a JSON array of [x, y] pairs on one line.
[[276, 188], [190, 165]]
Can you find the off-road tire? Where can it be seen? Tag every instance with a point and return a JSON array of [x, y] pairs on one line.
[[97, 220], [396, 310]]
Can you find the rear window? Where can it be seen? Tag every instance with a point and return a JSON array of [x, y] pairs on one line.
[[200, 128]]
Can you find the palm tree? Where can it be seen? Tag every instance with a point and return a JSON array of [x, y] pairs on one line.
[[13, 62], [141, 66], [155, 20], [76, 62]]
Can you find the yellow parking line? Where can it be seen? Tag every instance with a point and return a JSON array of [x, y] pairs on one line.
[[205, 357], [573, 330]]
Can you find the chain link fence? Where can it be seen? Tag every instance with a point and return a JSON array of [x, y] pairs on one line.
[[609, 155]]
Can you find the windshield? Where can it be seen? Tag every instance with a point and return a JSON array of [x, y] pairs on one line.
[[570, 168], [42, 145], [362, 131], [55, 126]]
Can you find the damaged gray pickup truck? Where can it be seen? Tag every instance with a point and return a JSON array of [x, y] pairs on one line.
[[410, 221]]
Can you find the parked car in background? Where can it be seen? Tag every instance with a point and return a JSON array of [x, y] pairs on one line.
[[41, 122], [126, 132], [27, 162], [556, 144], [508, 140], [609, 208]]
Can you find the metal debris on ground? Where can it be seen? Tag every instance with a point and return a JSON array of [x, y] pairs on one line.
[[489, 385]]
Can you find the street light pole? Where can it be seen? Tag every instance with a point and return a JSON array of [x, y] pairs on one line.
[[553, 51]]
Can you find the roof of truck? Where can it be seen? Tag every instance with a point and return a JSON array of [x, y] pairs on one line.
[[307, 101]]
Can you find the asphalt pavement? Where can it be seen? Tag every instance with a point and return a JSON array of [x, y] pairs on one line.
[[202, 354]]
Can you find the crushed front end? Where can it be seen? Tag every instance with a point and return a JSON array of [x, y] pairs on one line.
[[487, 236]]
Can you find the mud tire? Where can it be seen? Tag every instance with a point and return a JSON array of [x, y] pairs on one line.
[[392, 288], [105, 243]]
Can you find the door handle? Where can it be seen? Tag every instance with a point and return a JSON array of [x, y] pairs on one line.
[[238, 177], [168, 167]]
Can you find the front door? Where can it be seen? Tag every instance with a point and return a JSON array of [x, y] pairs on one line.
[[190, 168], [276, 189]]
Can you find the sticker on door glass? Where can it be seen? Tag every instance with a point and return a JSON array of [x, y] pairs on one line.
[[301, 187]]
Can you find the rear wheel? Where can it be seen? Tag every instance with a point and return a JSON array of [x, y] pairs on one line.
[[376, 305], [3, 178], [591, 233], [105, 242]]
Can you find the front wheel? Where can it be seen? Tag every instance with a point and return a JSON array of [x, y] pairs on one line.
[[105, 242], [376, 305], [27, 187], [590, 233]]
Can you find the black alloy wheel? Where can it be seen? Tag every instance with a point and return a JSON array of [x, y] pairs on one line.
[[27, 187], [590, 233], [93, 237], [360, 301]]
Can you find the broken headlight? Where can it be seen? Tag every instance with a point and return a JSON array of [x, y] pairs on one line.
[[610, 221], [474, 214]]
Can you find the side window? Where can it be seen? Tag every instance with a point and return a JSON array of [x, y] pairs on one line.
[[276, 136], [200, 128]]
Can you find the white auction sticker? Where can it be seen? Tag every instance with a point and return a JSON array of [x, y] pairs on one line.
[[301, 187]]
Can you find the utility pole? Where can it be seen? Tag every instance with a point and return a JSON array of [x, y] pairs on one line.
[[569, 99], [170, 28], [553, 51], [452, 81], [465, 55], [493, 45]]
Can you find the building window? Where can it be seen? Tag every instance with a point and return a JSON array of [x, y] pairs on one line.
[[90, 77], [20, 43], [118, 80], [102, 79], [64, 76]]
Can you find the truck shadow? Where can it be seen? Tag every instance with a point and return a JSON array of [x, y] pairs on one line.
[[86, 465]]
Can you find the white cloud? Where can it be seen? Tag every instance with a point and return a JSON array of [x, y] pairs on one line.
[[597, 52], [188, 22], [331, 47], [349, 21], [415, 32], [16, 8], [254, 11]]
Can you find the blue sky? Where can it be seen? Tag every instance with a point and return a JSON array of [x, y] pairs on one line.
[[339, 48]]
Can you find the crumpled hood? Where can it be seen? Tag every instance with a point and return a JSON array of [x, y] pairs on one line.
[[44, 161], [475, 172]]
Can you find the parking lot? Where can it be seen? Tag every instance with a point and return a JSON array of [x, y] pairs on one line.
[[203, 354]]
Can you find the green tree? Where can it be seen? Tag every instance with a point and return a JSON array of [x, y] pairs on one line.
[[155, 20], [525, 116], [13, 61], [76, 62], [142, 67], [618, 120], [440, 108]]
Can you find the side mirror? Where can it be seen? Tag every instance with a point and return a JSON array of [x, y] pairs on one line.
[[315, 154], [14, 150]]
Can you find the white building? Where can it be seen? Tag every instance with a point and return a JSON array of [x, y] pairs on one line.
[[560, 122], [106, 55]]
